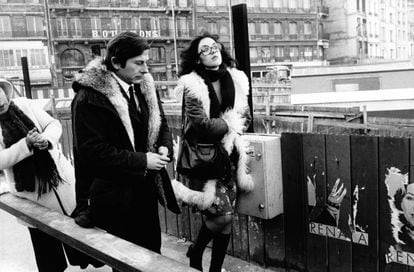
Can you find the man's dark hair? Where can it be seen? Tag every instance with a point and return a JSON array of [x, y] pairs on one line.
[[124, 46], [190, 56]]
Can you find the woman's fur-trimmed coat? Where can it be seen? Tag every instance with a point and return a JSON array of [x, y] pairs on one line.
[[228, 128], [51, 129], [110, 153]]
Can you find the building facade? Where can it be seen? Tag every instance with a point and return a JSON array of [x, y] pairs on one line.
[[81, 28], [22, 34], [411, 27], [288, 32], [363, 31]]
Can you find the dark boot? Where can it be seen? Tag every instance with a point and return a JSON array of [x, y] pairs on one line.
[[196, 250], [220, 243]]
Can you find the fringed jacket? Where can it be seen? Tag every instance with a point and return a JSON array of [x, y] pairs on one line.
[[228, 128], [110, 155]]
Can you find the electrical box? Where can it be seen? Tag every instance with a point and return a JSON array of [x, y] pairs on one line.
[[266, 200]]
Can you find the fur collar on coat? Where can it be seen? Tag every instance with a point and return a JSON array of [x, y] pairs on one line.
[[96, 76], [193, 85]]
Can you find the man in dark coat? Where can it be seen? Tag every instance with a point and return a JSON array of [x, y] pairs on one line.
[[122, 144]]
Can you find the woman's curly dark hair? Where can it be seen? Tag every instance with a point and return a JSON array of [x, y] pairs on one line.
[[190, 56], [398, 198]]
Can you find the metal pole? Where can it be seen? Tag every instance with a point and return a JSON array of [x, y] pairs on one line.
[[242, 49], [175, 37], [51, 49], [26, 77], [230, 30]]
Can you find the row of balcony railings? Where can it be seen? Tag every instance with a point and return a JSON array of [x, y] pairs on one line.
[[288, 36], [271, 60], [121, 3], [91, 33], [22, 34], [162, 33]]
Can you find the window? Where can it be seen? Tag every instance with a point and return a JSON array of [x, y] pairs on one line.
[[253, 53], [252, 28], [308, 53], [391, 18], [157, 55], [181, 3], [34, 26], [37, 57], [250, 3], [391, 39], [201, 3], [183, 29], [306, 4], [293, 28], [153, 3], [293, 4], [278, 28], [279, 52], [264, 3], [224, 29], [62, 27], [211, 3], [164, 26], [212, 27], [75, 26], [145, 24], [19, 54], [5, 26], [294, 52], [264, 28], [134, 3], [277, 4], [6, 59], [125, 23], [19, 26], [307, 28]]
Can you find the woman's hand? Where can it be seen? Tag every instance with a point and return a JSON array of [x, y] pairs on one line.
[[41, 142], [35, 139], [31, 138]]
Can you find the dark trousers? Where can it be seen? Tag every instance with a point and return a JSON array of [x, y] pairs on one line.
[[48, 251]]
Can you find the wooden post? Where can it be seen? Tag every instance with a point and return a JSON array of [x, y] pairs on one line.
[[241, 48], [26, 78]]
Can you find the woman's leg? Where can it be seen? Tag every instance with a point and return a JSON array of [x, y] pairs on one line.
[[48, 252], [222, 225], [196, 250], [217, 228]]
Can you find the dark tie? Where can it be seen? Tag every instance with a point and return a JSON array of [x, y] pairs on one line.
[[132, 101]]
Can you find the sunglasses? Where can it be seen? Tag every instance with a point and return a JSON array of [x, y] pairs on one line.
[[207, 50]]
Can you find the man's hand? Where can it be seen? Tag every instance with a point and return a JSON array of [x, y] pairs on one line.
[[156, 161]]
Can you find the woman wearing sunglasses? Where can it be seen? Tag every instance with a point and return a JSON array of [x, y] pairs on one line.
[[216, 111]]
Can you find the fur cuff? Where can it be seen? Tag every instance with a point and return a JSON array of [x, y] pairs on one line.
[[203, 200], [235, 122], [244, 179]]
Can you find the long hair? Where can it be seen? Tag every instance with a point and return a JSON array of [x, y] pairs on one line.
[[189, 57]]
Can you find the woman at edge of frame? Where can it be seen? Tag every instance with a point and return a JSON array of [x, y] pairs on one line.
[[216, 108]]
